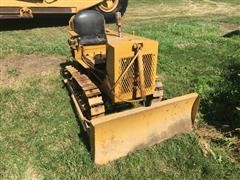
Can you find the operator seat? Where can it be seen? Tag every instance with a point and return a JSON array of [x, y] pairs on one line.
[[90, 26]]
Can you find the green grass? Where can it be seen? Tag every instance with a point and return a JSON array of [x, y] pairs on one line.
[[41, 41], [39, 136], [39, 132], [191, 53]]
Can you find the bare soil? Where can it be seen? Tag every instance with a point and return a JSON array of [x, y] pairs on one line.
[[14, 70], [189, 8], [208, 134]]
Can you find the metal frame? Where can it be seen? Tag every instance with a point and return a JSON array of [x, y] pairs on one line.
[[27, 9]]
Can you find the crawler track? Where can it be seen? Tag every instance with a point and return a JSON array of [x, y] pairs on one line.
[[87, 94]]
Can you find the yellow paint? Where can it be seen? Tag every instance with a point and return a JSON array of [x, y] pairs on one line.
[[116, 135], [117, 49], [75, 5], [120, 48], [109, 5]]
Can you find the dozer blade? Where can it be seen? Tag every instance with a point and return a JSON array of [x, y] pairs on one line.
[[116, 135]]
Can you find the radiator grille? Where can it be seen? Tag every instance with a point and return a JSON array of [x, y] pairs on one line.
[[130, 84]]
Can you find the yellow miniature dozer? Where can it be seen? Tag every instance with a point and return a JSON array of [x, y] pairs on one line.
[[13, 9], [110, 70]]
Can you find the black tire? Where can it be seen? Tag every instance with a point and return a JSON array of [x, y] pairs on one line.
[[110, 16]]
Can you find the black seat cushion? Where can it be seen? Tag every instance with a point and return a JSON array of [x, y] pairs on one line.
[[90, 26]]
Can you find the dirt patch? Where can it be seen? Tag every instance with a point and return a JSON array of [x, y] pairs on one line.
[[229, 27], [208, 135], [189, 8], [32, 174], [14, 70]]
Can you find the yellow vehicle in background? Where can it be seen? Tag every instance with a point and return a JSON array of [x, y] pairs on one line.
[[14, 9]]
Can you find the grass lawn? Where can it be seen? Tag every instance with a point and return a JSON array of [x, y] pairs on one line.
[[39, 132]]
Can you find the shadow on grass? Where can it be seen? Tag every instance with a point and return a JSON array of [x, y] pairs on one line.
[[222, 108], [36, 22], [232, 33]]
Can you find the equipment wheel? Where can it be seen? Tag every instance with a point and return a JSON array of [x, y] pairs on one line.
[[108, 8]]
